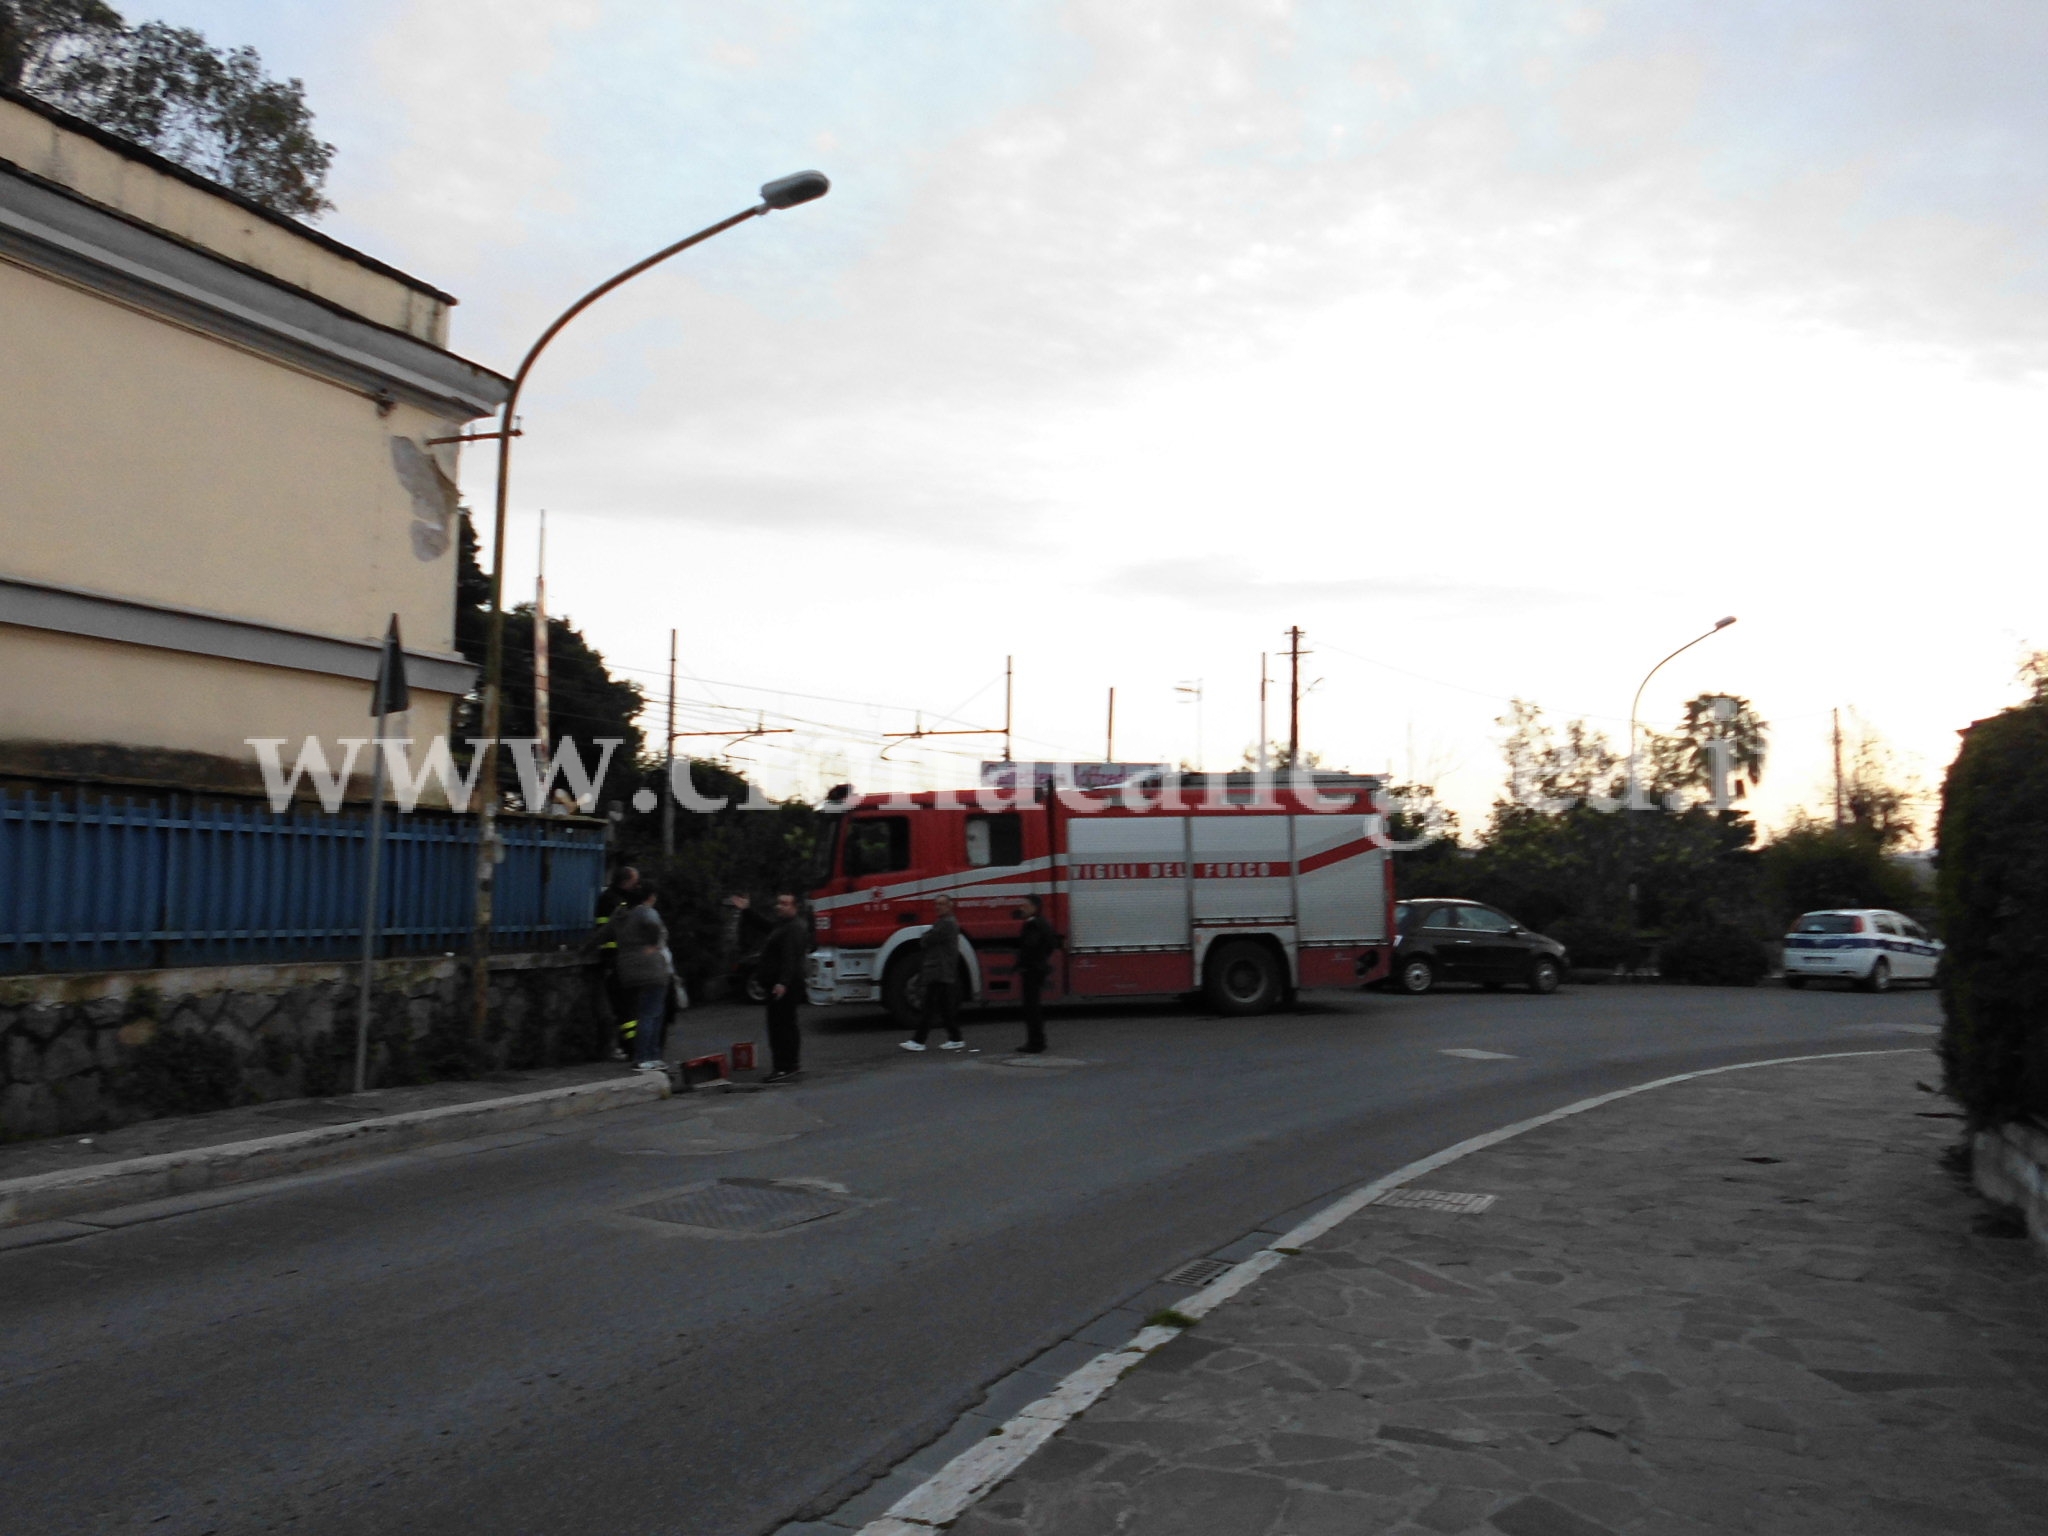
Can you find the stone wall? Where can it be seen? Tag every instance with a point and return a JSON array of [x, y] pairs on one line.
[[85, 1052]]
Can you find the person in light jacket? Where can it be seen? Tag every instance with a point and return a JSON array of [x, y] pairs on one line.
[[939, 964], [644, 972]]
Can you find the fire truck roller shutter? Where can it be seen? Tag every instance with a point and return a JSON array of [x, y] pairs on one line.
[[1242, 869], [1127, 882], [1343, 884]]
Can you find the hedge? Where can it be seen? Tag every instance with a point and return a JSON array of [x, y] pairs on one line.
[[1993, 891]]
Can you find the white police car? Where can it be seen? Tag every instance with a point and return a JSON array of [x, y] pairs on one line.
[[1866, 945]]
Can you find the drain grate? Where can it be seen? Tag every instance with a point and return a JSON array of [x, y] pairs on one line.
[[1436, 1200], [739, 1205], [1197, 1272]]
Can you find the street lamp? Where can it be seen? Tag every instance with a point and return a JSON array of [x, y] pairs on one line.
[[1636, 702], [1629, 842], [784, 192]]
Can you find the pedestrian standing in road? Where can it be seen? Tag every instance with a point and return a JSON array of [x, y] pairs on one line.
[[745, 932], [939, 965], [612, 900], [781, 969], [1036, 941], [644, 972]]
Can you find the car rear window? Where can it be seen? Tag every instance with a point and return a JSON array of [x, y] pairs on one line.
[[1829, 922]]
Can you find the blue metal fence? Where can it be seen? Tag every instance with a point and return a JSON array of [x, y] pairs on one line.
[[106, 884]]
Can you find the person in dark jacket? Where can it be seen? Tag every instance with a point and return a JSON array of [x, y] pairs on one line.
[[644, 972], [1036, 941], [939, 965], [781, 969], [612, 900]]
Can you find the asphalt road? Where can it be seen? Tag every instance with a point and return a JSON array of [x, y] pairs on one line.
[[477, 1339]]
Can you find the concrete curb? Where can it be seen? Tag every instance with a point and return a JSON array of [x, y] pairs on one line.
[[956, 1487], [71, 1191]]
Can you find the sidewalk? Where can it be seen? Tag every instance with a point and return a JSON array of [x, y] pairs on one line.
[[1751, 1301]]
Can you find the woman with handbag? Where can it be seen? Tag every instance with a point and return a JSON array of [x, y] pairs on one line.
[[644, 973]]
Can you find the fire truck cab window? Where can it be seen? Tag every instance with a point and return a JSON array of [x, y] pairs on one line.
[[995, 840], [879, 845]]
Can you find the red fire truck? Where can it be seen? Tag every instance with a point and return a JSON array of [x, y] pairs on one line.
[[1236, 887]]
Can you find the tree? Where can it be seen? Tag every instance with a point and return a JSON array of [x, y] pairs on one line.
[[1878, 795], [586, 704], [167, 89], [1276, 758], [1546, 772], [1994, 917], [1813, 865], [1747, 734]]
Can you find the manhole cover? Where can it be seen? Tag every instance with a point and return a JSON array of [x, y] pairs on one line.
[[1436, 1200], [1198, 1272], [739, 1205]]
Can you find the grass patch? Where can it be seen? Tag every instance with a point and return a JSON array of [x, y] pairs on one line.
[[1166, 1317]]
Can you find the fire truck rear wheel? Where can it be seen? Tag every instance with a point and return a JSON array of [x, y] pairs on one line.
[[1244, 977]]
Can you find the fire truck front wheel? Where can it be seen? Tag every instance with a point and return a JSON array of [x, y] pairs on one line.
[[1244, 977]]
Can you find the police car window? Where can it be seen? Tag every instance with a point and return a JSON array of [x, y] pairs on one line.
[[1829, 922], [995, 840], [1442, 917], [1486, 920], [878, 845], [1886, 924]]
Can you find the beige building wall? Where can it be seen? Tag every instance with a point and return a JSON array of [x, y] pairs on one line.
[[215, 481], [153, 462], [80, 691], [143, 188]]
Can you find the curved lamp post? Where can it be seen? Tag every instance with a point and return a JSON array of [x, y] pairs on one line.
[[785, 192], [1636, 702], [1634, 793]]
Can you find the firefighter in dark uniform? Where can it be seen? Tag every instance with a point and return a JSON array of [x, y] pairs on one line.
[[781, 969], [610, 901], [1036, 941]]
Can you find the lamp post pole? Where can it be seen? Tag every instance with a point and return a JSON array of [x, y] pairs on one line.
[[1634, 786], [786, 192]]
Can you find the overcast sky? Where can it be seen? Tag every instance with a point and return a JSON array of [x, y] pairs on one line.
[[1503, 345]]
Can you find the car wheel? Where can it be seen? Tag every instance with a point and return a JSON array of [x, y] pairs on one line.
[[1244, 978], [903, 988], [1795, 982], [1416, 976], [1543, 976], [755, 991], [1880, 977]]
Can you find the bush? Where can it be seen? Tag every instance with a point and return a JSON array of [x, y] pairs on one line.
[[1813, 866], [1591, 944], [1711, 955], [1993, 889]]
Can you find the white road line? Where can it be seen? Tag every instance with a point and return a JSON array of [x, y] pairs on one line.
[[1473, 1053], [950, 1491]]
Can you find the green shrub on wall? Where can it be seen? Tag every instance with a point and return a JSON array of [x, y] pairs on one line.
[[1994, 913]]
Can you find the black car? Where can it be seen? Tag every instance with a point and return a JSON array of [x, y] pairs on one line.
[[1445, 940]]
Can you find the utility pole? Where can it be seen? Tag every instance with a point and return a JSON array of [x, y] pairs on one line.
[[540, 658], [1839, 817], [1294, 655], [1109, 737], [1260, 760], [668, 758], [1009, 703]]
